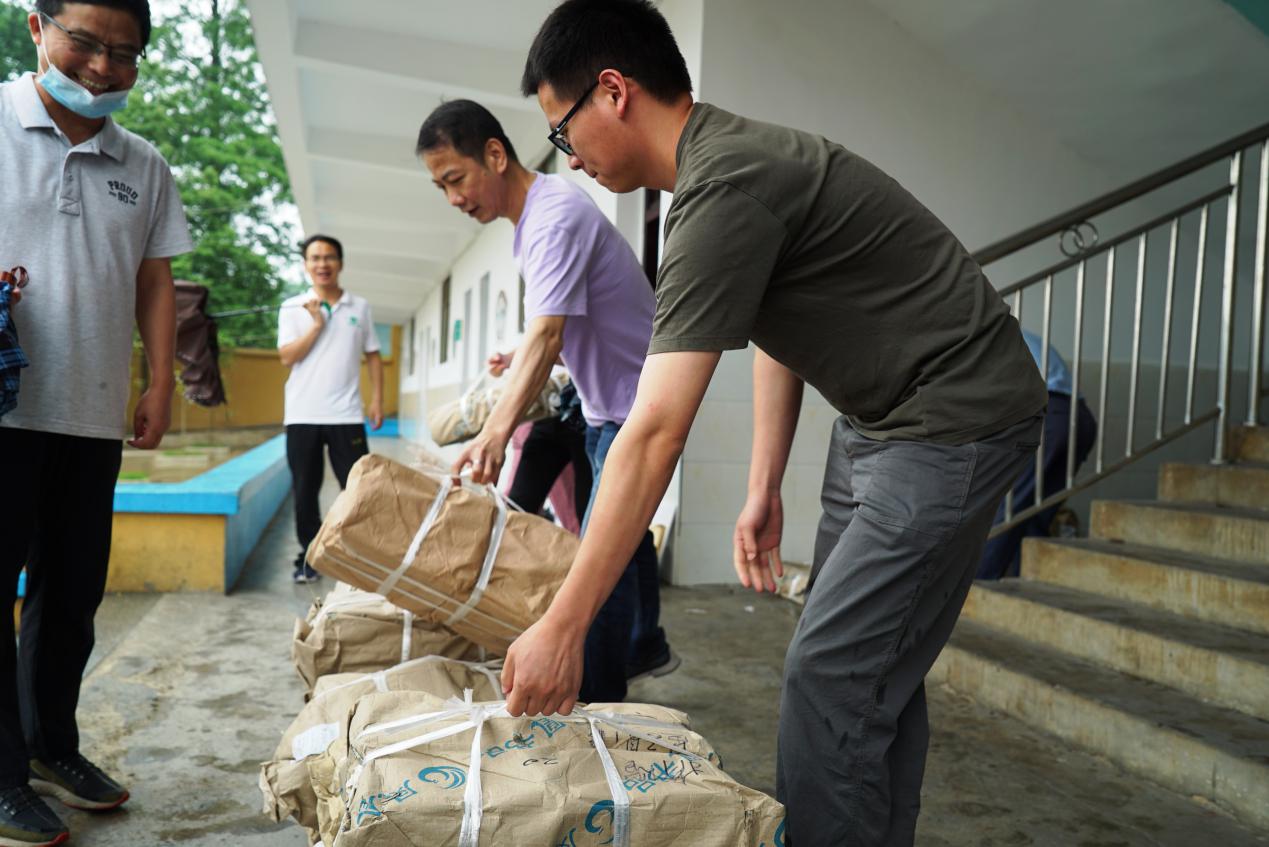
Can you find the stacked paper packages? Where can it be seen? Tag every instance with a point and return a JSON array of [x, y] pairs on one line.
[[409, 769], [463, 418], [453, 554], [285, 782], [356, 631]]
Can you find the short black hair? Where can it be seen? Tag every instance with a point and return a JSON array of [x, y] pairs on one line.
[[139, 9], [583, 37], [464, 125], [333, 242]]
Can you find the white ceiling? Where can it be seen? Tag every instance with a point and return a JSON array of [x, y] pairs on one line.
[[351, 83], [1131, 85]]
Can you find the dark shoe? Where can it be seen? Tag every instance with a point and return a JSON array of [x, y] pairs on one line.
[[27, 821], [305, 574], [666, 662], [78, 783]]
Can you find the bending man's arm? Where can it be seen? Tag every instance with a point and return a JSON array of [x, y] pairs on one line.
[[777, 400], [543, 669], [156, 323], [533, 361]]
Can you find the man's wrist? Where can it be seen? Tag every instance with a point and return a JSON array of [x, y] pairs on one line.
[[764, 486], [566, 621], [497, 430], [162, 381]]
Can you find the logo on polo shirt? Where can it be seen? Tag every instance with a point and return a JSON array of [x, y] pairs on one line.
[[122, 192], [352, 319]]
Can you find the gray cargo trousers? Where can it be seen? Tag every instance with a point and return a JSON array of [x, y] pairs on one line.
[[899, 541]]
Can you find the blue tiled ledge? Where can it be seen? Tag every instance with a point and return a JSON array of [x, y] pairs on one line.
[[391, 429], [219, 491]]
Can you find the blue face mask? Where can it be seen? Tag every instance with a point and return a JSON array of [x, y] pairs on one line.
[[75, 97]]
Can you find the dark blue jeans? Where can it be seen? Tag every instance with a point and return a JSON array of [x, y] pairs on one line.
[[627, 629], [1002, 555]]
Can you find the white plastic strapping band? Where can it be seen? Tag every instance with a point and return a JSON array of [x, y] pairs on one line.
[[620, 799], [360, 600], [486, 567], [407, 634], [447, 483], [476, 714], [379, 678]]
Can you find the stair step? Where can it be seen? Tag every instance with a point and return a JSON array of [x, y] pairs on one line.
[[1244, 484], [1231, 533], [1191, 747], [1223, 666], [1191, 586], [1250, 443]]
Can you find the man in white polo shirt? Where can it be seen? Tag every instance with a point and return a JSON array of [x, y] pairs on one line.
[[93, 214], [322, 335]]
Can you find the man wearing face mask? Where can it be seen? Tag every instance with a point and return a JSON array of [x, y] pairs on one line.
[[93, 214]]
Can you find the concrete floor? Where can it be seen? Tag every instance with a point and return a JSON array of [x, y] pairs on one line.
[[188, 693]]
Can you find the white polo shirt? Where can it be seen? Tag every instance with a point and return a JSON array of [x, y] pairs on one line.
[[325, 386], [80, 219]]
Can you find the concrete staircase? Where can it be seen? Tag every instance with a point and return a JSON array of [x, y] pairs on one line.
[[1147, 643]]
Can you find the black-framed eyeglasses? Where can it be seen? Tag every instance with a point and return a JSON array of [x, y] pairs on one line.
[[557, 136], [86, 45]]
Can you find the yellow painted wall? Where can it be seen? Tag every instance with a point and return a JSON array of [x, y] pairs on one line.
[[151, 552], [254, 380]]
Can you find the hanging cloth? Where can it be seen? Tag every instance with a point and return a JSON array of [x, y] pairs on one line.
[[12, 359], [197, 347]]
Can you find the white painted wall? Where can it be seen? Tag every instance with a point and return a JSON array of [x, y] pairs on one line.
[[490, 253]]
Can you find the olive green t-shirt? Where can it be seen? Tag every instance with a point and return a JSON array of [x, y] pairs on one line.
[[838, 273]]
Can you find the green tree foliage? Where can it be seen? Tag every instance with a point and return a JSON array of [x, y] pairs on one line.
[[201, 100], [17, 53]]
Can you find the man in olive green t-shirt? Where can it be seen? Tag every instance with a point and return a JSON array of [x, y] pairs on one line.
[[844, 281]]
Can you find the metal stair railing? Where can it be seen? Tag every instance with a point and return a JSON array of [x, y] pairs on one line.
[[1078, 240]]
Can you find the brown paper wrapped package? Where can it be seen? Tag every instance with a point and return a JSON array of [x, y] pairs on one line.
[[463, 418], [284, 781], [355, 631], [372, 523], [542, 782]]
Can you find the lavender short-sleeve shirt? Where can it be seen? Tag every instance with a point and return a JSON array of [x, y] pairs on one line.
[[576, 265]]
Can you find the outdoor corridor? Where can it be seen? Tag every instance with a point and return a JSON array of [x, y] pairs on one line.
[[188, 693]]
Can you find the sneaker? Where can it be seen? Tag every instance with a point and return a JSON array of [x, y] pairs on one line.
[[78, 783], [27, 821], [305, 574], [667, 662]]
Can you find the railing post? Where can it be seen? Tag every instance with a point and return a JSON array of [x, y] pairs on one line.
[[1107, 324], [1169, 300], [1200, 266], [1224, 373], [1075, 373], [1044, 371], [1258, 293], [1136, 342]]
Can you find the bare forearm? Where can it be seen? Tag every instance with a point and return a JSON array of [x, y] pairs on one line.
[[376, 377], [637, 473], [533, 361], [293, 353], [777, 400], [156, 323]]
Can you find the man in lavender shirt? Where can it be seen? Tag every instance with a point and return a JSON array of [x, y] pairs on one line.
[[588, 303]]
